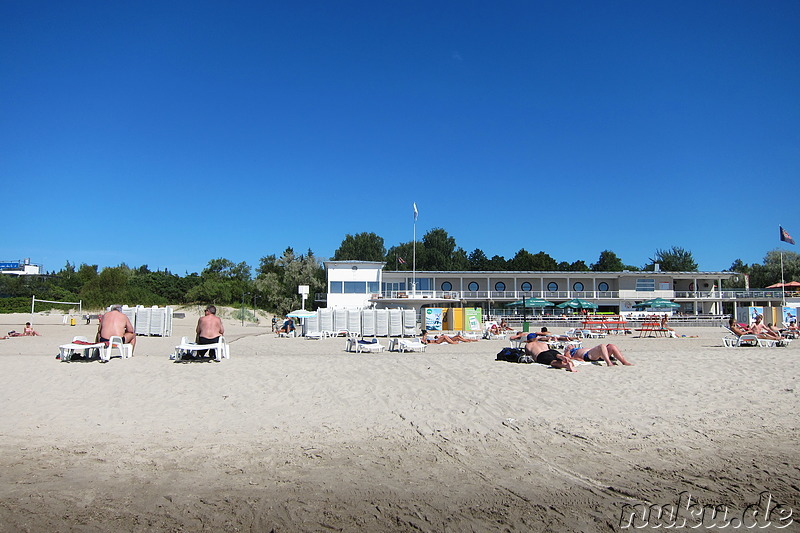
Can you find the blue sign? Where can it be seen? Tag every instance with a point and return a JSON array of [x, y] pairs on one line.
[[9, 265]]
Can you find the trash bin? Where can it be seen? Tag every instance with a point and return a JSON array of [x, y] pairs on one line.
[[72, 321]]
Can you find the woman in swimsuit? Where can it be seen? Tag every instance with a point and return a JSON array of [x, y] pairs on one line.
[[601, 351]]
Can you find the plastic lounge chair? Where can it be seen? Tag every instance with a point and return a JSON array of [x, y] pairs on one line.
[[409, 345], [221, 349], [79, 344], [125, 350], [359, 345], [734, 341]]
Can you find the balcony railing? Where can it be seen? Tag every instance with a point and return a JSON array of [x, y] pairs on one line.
[[597, 296]]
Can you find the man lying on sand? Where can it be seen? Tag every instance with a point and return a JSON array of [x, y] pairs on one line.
[[545, 355]]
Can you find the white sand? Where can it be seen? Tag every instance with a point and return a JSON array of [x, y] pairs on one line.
[[298, 435]]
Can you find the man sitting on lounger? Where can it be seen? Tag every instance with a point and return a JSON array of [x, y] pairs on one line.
[[209, 330], [547, 356], [116, 324]]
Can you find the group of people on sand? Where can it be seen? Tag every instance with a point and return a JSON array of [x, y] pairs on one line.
[[760, 330], [544, 354]]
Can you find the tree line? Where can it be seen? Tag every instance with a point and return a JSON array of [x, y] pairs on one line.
[[273, 285]]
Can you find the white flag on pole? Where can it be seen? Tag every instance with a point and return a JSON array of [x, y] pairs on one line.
[[416, 213]]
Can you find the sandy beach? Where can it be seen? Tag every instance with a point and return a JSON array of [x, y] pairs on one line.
[[299, 435]]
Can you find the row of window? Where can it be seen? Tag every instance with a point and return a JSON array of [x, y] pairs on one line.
[[371, 287], [354, 287], [526, 287]]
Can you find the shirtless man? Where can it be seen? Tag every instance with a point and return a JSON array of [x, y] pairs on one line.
[[115, 323], [209, 329], [762, 331], [546, 356]]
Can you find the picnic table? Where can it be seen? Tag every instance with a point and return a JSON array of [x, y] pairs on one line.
[[606, 326], [652, 329]]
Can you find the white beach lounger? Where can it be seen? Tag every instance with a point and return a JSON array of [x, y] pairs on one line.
[[222, 349], [408, 345]]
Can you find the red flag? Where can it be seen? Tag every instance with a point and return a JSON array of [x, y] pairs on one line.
[[401, 260]]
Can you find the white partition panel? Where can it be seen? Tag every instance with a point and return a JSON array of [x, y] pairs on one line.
[[326, 319], [311, 325], [158, 321], [354, 321], [368, 322], [409, 322], [395, 322], [339, 320], [382, 322], [142, 326]]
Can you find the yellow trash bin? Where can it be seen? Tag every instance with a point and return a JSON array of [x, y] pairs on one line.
[[72, 321]]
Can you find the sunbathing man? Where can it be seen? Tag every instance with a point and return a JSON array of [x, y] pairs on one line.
[[601, 351], [209, 330], [762, 331], [115, 323], [287, 327], [547, 356]]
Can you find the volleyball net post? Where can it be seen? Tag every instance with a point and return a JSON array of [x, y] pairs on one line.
[[34, 300]]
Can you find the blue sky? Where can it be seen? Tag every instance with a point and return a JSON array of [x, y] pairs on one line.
[[172, 133]]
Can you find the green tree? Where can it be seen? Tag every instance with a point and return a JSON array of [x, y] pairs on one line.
[[676, 259], [608, 262], [498, 263], [769, 272], [478, 260], [222, 282], [277, 280], [361, 247], [401, 257], [522, 261], [578, 266], [439, 247]]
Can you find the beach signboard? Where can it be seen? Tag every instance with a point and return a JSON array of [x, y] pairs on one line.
[[433, 318], [789, 316], [473, 318]]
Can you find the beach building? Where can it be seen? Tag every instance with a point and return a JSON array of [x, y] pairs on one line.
[[364, 284], [23, 267]]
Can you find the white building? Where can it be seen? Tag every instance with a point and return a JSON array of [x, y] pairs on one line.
[[364, 284], [23, 267]]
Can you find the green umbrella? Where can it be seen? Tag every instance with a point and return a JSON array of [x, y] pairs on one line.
[[577, 303], [657, 303], [530, 302]]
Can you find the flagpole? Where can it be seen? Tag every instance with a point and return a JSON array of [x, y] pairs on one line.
[[783, 285], [414, 259]]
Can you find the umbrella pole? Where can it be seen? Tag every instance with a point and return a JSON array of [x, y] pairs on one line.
[[783, 285]]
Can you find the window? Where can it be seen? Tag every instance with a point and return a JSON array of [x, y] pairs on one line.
[[355, 287], [393, 287], [645, 284], [423, 284], [499, 286], [526, 286], [447, 286], [577, 286], [373, 287], [336, 287], [603, 286], [552, 286], [473, 286]]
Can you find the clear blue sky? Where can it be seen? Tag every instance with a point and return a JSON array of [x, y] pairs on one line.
[[169, 133]]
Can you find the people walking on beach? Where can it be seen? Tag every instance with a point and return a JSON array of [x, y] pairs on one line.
[[545, 355], [601, 351], [115, 324], [209, 329]]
